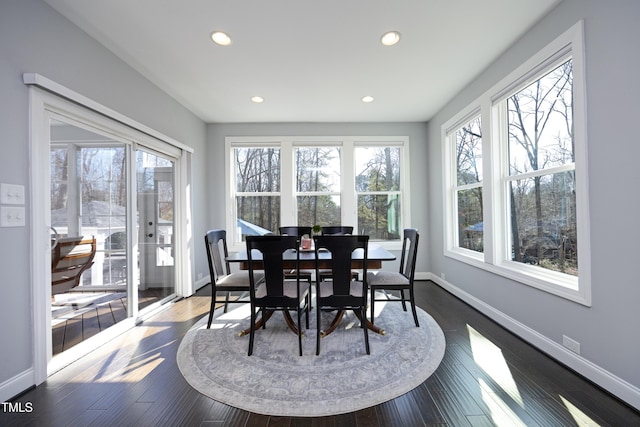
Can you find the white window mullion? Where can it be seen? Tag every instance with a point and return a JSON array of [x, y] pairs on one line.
[[288, 200], [349, 198]]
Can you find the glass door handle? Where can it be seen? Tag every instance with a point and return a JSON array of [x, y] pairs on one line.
[[56, 237]]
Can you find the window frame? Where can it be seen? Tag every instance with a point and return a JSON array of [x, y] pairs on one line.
[[451, 182], [288, 192], [492, 108]]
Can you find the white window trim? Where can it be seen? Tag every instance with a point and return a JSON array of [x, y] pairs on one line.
[[288, 207], [496, 220], [49, 99]]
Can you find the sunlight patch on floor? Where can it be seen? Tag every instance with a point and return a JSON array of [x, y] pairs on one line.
[[580, 417], [135, 371], [489, 357], [500, 412]]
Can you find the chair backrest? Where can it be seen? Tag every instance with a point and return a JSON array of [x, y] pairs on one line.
[[217, 253], [337, 229], [71, 257], [408, 257], [342, 249], [272, 261], [295, 231]]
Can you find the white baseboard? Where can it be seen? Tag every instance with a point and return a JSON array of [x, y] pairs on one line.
[[18, 384], [201, 283], [422, 275], [605, 379]]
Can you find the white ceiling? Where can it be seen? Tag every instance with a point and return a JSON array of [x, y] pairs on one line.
[[312, 61]]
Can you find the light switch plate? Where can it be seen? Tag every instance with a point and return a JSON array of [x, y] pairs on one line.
[[11, 194], [12, 216]]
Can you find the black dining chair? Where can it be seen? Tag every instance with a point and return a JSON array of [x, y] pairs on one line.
[[337, 229], [342, 292], [333, 230], [298, 231], [274, 292], [401, 281], [222, 279]]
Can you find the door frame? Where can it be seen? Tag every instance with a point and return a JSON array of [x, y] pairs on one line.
[[46, 98]]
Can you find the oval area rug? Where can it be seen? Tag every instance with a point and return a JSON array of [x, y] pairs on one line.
[[343, 378]]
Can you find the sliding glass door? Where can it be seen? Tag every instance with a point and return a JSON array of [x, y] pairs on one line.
[[122, 195], [155, 176]]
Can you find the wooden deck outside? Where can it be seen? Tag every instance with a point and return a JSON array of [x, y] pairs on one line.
[[82, 315]]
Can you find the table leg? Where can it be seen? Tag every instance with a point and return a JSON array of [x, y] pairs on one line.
[[266, 316], [338, 318]]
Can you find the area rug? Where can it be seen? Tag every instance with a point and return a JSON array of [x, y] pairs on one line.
[[275, 380]]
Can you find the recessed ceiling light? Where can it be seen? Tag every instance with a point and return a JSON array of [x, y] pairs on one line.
[[257, 99], [390, 38], [221, 38], [367, 98]]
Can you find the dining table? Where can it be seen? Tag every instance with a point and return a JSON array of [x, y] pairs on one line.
[[376, 255]]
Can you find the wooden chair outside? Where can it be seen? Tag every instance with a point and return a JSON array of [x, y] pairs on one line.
[[70, 257]]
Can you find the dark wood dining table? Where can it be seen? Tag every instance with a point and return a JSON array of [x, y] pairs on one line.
[[376, 254]]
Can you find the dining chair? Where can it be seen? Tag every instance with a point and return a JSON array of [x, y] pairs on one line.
[[298, 231], [275, 293], [222, 279], [332, 230], [401, 281], [342, 292], [337, 229]]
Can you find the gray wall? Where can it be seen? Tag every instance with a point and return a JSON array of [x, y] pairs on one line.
[[35, 38], [607, 331], [418, 151]]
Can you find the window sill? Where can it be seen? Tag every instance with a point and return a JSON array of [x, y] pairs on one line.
[[558, 284]]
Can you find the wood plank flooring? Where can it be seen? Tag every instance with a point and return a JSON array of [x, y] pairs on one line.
[[488, 377], [85, 321]]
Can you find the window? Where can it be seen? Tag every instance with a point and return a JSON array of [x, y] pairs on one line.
[[466, 140], [318, 185], [257, 184], [541, 179], [515, 160], [378, 192], [352, 181]]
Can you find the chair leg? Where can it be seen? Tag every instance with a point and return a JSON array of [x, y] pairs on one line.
[[213, 306], [404, 304], [226, 301], [307, 309], [300, 331], [373, 305], [318, 315], [252, 330], [413, 307], [363, 310]]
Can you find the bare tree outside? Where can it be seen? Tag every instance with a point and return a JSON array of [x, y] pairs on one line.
[[318, 184], [468, 140], [258, 171], [378, 190], [542, 179]]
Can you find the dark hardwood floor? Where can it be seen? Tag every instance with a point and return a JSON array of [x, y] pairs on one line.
[[488, 377]]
